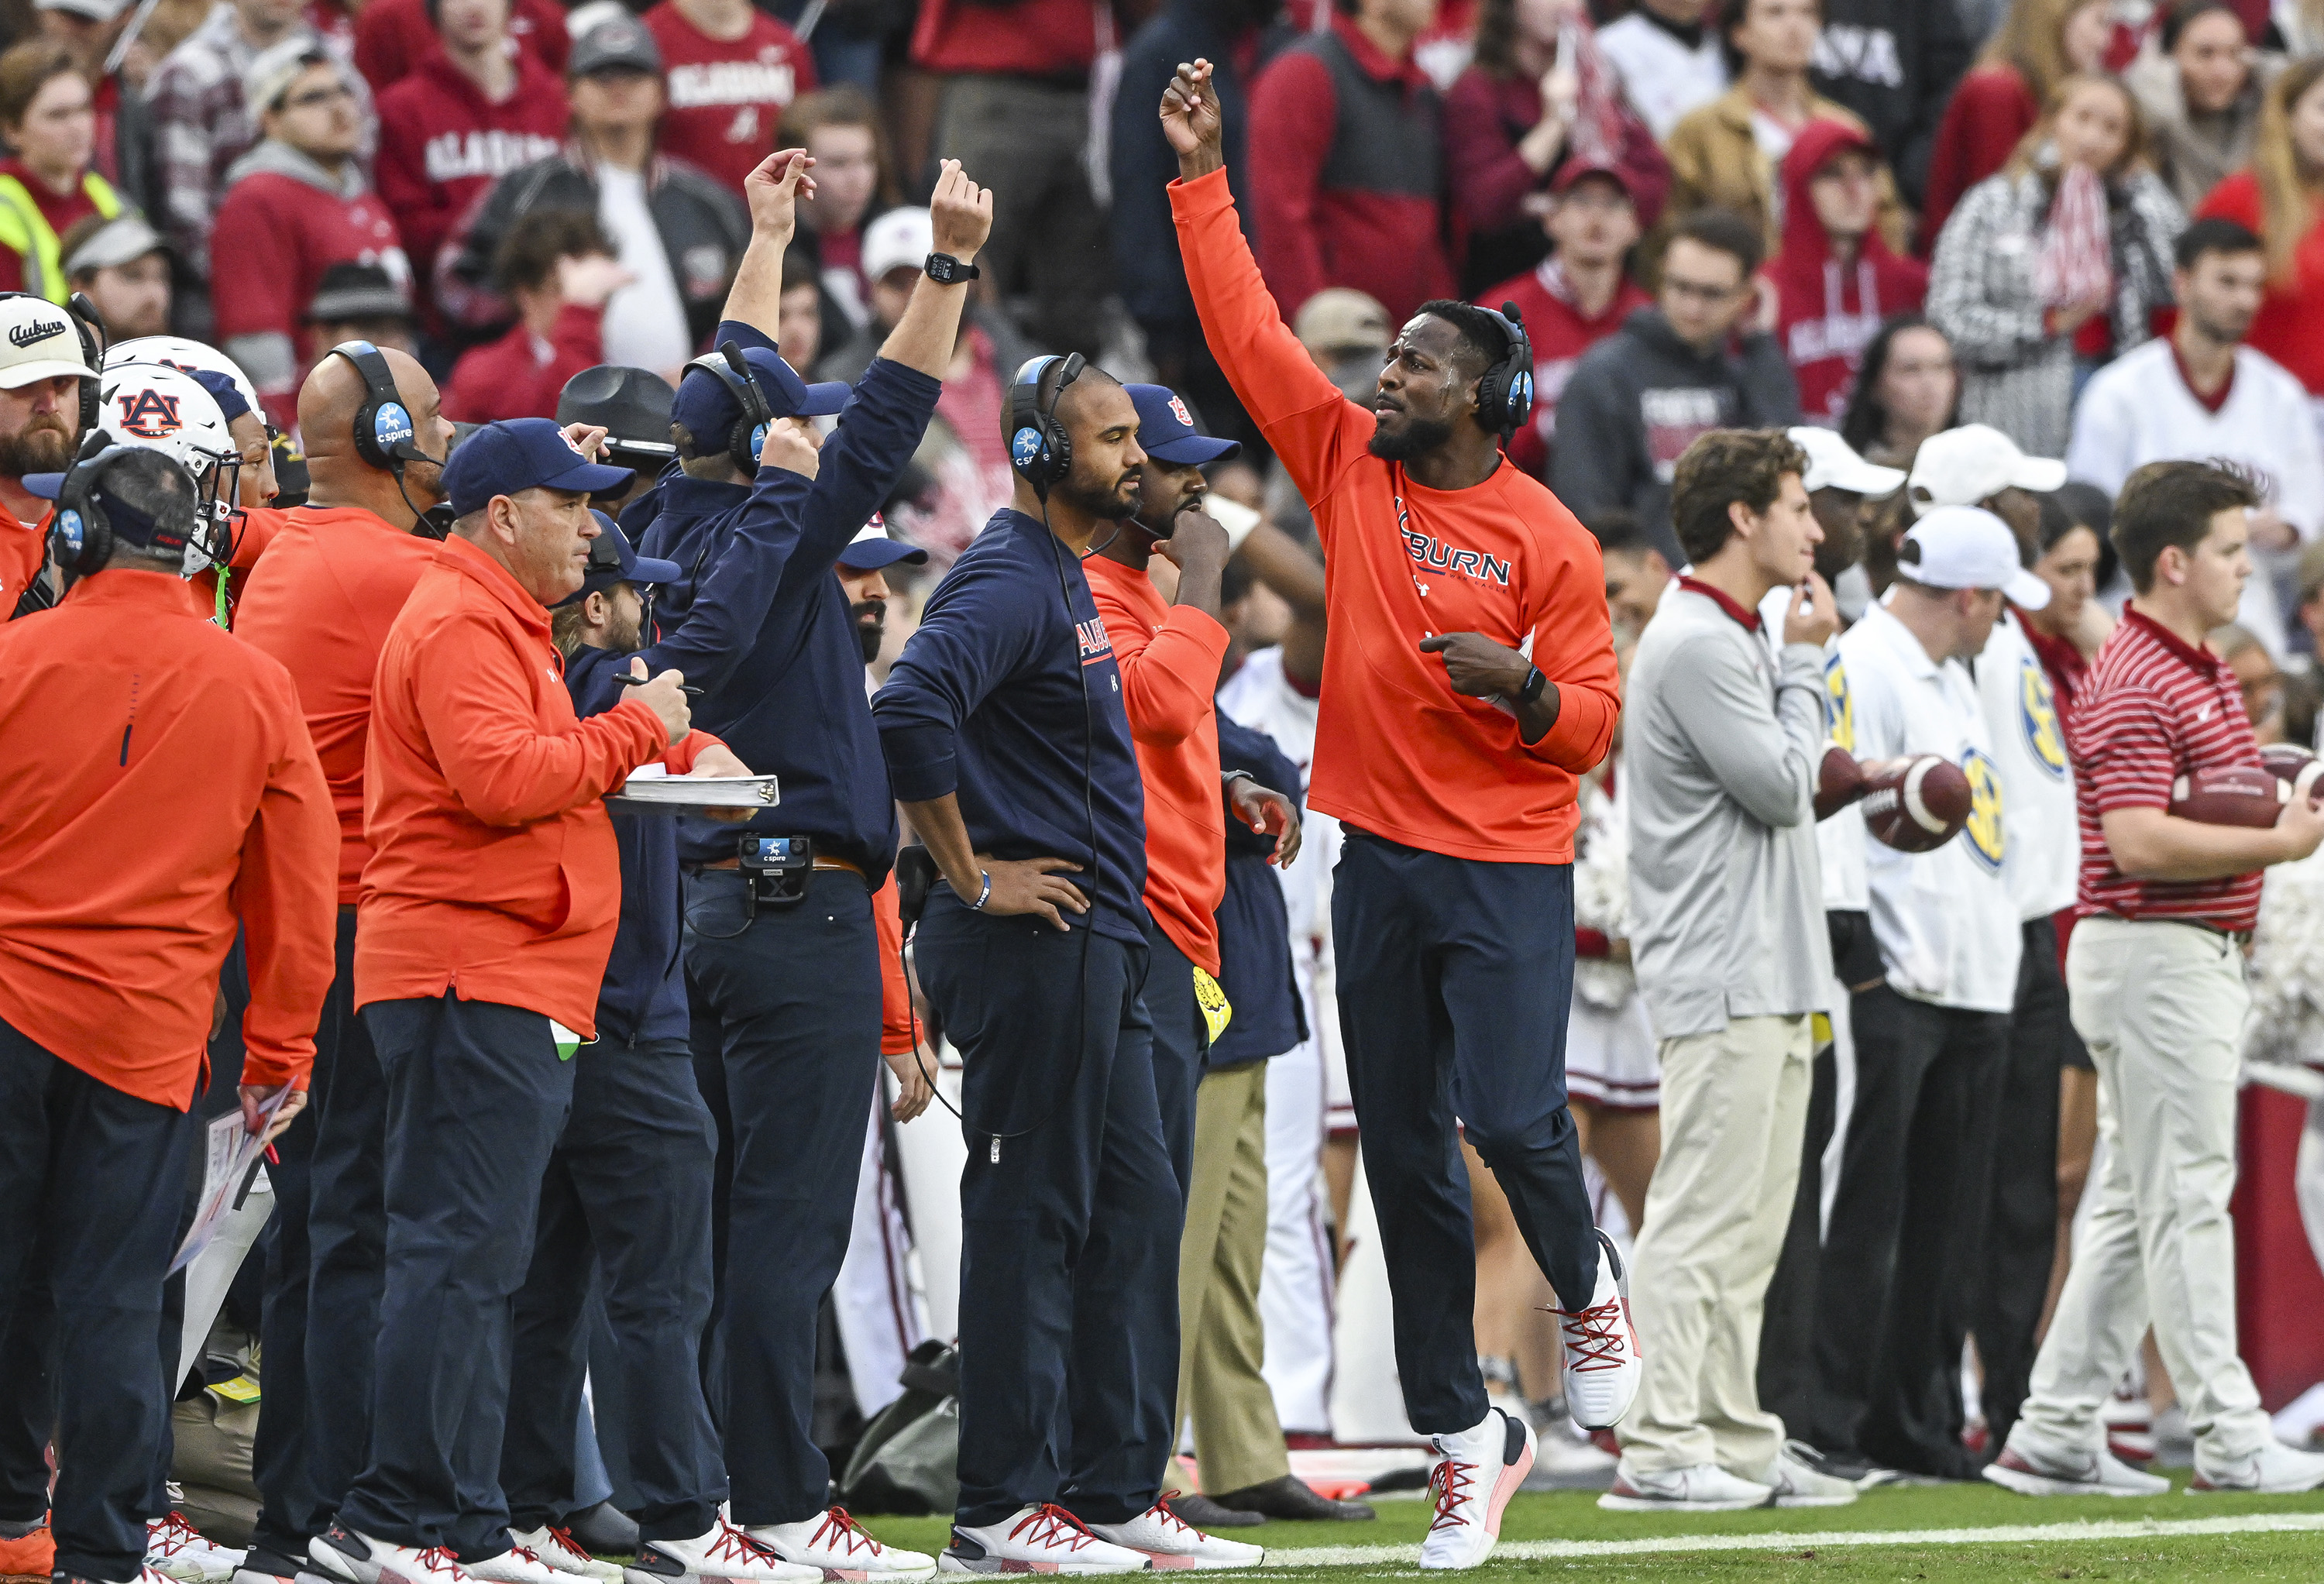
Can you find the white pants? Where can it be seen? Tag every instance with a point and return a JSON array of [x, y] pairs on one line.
[[881, 1319], [1735, 1105], [1295, 1275], [2161, 1007]]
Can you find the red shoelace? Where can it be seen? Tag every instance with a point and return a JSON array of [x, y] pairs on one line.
[[1595, 1337], [1450, 1484], [563, 1537], [1051, 1524], [171, 1533], [846, 1534], [1168, 1516], [733, 1545], [436, 1556]]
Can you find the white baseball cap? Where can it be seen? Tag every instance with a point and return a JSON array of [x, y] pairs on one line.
[[38, 340], [1967, 547], [1974, 462], [901, 236], [1833, 465]]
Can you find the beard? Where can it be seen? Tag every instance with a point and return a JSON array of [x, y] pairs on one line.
[[45, 444], [870, 624], [1418, 437], [1101, 501]]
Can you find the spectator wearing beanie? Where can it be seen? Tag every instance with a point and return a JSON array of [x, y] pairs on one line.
[[854, 180], [47, 186], [1895, 63], [2062, 257], [2276, 196], [1015, 108], [1347, 165], [203, 123], [295, 205], [558, 268], [2201, 96], [393, 36], [733, 70], [1670, 57], [473, 109], [2201, 393], [1836, 278], [1672, 373], [2039, 43], [1578, 296], [1539, 92], [1725, 155], [679, 232]]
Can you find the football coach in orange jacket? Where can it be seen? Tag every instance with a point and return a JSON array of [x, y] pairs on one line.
[[488, 910], [159, 789]]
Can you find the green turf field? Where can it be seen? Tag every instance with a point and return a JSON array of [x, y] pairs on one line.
[[1562, 1535]]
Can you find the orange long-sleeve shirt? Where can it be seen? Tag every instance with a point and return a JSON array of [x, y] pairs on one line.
[[1170, 657], [494, 873], [321, 601], [158, 785], [895, 991], [1397, 753]]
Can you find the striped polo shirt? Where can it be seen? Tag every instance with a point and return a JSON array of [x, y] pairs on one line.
[[2153, 710]]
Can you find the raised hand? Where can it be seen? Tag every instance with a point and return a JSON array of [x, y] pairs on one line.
[[792, 443], [960, 213], [1190, 120], [774, 190]]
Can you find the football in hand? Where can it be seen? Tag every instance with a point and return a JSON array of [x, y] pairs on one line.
[[1916, 805], [1840, 781], [2288, 761], [2251, 796]]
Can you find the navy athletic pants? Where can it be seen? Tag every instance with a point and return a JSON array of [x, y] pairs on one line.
[[1454, 980], [1070, 1217]]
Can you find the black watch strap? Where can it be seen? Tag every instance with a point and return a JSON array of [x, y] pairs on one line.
[[948, 271], [1536, 684]]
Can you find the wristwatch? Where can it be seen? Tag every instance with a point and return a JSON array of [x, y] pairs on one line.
[[948, 271], [1534, 683]]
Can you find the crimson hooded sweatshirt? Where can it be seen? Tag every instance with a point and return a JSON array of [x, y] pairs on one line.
[[442, 143], [1828, 311]]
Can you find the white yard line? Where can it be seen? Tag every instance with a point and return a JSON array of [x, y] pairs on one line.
[[1349, 1556]]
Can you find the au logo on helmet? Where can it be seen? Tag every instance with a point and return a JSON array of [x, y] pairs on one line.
[[151, 415]]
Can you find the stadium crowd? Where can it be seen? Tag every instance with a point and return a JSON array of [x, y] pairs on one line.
[[1493, 740]]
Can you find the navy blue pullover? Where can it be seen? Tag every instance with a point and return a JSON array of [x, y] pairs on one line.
[[1002, 696], [1254, 928], [786, 692]]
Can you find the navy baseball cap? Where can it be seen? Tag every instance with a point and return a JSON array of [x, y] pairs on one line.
[[872, 549], [519, 454], [708, 407], [1166, 431], [613, 559]]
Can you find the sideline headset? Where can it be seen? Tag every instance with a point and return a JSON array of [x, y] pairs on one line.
[[384, 435], [749, 431], [1505, 391], [1039, 448], [82, 534]]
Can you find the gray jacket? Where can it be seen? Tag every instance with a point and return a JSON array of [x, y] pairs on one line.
[[1721, 743]]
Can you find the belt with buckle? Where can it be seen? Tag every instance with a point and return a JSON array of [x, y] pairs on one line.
[[820, 863]]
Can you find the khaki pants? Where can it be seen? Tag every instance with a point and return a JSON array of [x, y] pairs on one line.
[[1238, 1441], [1734, 1107], [2161, 1007]]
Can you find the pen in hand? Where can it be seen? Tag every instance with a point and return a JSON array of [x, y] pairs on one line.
[[690, 691]]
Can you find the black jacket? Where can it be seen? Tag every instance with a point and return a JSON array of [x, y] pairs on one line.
[[704, 229], [1895, 63]]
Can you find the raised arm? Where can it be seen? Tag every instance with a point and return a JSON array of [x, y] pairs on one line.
[[772, 189], [1312, 427]]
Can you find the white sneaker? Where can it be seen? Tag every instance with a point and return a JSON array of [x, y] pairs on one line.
[[1482, 1469], [2274, 1470], [1036, 1539], [516, 1565], [2032, 1466], [1704, 1488], [177, 1550], [1168, 1541], [1601, 1347], [347, 1556], [721, 1553], [556, 1549], [841, 1548], [1796, 1485], [1563, 1450]]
